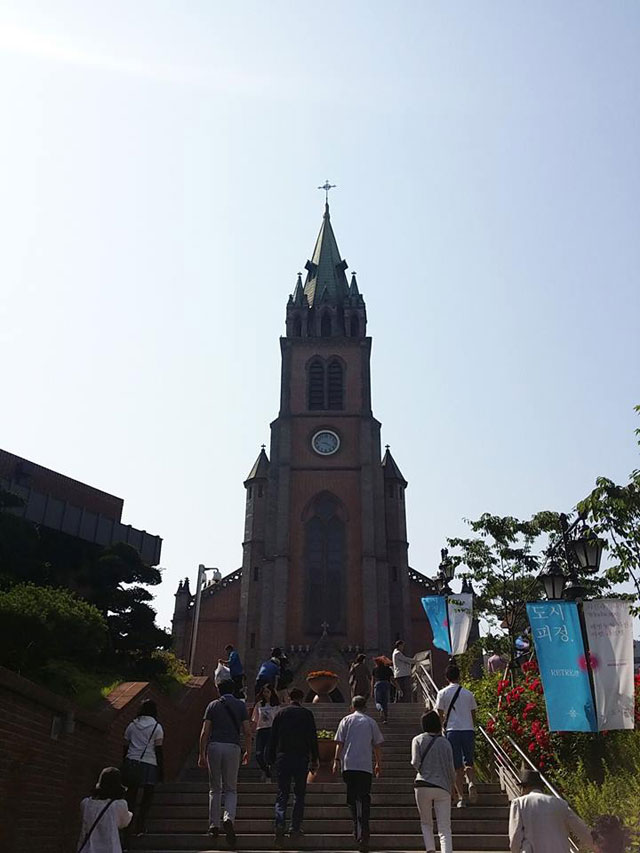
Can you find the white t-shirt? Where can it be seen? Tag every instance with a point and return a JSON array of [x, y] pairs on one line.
[[263, 715], [138, 735], [358, 734], [104, 838], [460, 719]]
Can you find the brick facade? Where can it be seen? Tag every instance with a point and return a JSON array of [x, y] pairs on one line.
[[51, 753]]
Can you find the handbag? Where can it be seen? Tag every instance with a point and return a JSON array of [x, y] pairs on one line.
[[132, 767], [93, 826]]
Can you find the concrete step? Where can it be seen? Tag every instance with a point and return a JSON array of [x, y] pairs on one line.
[[317, 798], [179, 813], [333, 841], [330, 824], [335, 784]]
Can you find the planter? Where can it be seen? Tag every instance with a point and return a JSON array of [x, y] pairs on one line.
[[326, 751], [322, 685]]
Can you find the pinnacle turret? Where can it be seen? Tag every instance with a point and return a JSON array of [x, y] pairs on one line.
[[390, 468]]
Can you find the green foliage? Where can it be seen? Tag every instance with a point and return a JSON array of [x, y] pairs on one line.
[[597, 774], [619, 794], [613, 512], [326, 734], [41, 624]]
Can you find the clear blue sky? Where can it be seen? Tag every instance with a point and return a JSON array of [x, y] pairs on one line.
[[159, 164]]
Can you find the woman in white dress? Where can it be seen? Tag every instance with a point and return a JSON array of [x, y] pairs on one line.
[[104, 814]]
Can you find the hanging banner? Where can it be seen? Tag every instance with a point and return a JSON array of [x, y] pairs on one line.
[[460, 609], [555, 626], [435, 606], [609, 628]]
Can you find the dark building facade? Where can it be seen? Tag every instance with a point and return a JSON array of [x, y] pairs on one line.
[[68, 506], [325, 552]]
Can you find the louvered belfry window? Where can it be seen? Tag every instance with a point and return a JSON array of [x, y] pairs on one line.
[[316, 385], [335, 390]]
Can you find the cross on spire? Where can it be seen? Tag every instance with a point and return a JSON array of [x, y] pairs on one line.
[[326, 187]]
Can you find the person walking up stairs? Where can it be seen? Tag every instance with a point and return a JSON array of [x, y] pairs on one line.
[[177, 821]]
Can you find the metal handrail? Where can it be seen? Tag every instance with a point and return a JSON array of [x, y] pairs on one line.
[[508, 773]]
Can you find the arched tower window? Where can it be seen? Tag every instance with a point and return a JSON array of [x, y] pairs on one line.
[[297, 328], [325, 566], [316, 385], [325, 325], [335, 385], [355, 327]]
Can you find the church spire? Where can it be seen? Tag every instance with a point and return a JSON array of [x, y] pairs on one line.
[[326, 270]]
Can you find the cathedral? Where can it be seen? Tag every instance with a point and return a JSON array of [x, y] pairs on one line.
[[325, 570]]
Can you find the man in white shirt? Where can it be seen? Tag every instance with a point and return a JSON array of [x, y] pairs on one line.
[[402, 670], [539, 823], [357, 737], [457, 708]]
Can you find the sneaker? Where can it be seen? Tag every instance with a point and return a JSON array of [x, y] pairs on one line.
[[296, 834], [461, 804], [473, 793], [213, 831], [229, 832], [278, 838]]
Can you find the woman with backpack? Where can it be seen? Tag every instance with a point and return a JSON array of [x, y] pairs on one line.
[[143, 760], [104, 814], [432, 759]]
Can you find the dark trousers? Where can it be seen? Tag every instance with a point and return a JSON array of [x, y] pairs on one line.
[[238, 686], [405, 685], [288, 769], [262, 742], [359, 801]]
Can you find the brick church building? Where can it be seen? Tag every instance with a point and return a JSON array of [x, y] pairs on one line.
[[325, 569]]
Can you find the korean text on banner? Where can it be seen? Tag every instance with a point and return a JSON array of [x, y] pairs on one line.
[[460, 609], [435, 606], [610, 637], [555, 626]]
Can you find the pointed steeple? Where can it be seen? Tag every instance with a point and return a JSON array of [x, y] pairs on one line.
[[390, 468], [326, 269], [298, 293], [260, 470], [353, 288]]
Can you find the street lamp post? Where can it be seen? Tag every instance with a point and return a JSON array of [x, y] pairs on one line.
[[196, 613]]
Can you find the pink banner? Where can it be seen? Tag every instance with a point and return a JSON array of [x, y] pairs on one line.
[[609, 628]]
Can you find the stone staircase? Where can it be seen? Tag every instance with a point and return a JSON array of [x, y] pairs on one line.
[[178, 820]]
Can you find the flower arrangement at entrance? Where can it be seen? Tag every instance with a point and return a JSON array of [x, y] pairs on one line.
[[322, 682]]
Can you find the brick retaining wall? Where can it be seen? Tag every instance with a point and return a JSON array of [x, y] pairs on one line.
[[51, 753]]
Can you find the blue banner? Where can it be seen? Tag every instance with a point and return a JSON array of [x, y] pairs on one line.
[[555, 627], [435, 606]]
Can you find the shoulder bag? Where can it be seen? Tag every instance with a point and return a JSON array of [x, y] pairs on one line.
[[132, 768], [419, 783], [450, 708], [234, 719], [93, 826]]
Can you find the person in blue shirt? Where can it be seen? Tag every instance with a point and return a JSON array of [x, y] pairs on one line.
[[235, 669], [269, 672]]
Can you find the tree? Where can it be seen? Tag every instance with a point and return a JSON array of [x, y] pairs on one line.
[[504, 562], [113, 578], [41, 624], [613, 512]]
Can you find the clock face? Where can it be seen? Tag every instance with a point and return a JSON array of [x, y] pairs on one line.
[[325, 442]]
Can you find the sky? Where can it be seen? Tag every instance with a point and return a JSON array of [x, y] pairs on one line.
[[158, 172]]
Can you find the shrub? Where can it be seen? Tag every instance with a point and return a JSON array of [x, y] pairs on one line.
[[41, 624]]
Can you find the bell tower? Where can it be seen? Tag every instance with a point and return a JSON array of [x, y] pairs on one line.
[[325, 550]]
